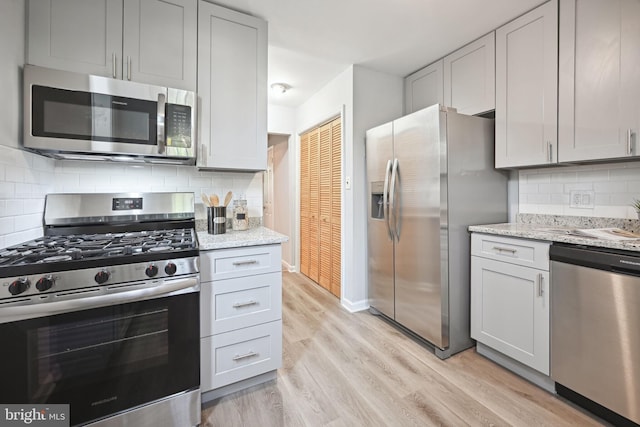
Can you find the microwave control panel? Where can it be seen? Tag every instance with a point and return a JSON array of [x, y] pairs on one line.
[[178, 125]]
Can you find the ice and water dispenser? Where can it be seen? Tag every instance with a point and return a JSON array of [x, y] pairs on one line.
[[377, 200]]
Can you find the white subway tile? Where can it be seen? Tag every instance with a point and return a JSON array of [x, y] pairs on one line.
[[44, 164], [23, 236], [164, 170], [538, 199], [14, 174], [528, 188], [593, 175], [578, 186], [560, 199], [7, 225], [14, 207], [627, 174], [538, 178], [610, 187], [602, 199], [551, 188], [621, 199], [199, 182], [564, 177], [27, 222]]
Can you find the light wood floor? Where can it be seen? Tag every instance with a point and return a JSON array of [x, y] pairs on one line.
[[344, 369]]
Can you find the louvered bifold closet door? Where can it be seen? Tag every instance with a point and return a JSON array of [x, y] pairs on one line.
[[336, 184], [304, 204], [314, 205], [325, 207]]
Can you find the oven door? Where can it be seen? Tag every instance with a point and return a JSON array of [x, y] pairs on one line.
[[103, 360]]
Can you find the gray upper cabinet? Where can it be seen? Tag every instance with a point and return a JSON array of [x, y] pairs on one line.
[[424, 88], [599, 83], [527, 89], [232, 89], [149, 41], [469, 77]]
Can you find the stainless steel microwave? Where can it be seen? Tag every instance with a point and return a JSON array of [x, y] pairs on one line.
[[84, 117]]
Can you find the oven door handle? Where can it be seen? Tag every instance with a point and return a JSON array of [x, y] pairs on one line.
[[103, 299]]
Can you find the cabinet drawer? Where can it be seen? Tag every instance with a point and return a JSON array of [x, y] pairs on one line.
[[238, 262], [231, 304], [530, 253], [235, 356]]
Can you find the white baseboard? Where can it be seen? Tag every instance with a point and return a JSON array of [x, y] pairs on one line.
[[354, 306], [287, 267]]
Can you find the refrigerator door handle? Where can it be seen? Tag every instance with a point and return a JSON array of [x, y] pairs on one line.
[[393, 198], [385, 199]]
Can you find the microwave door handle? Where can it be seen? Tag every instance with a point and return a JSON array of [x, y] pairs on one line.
[[161, 117]]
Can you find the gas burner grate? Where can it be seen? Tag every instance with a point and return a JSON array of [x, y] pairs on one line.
[[51, 249]]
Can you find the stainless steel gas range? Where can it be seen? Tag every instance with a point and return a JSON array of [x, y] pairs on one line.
[[102, 313]]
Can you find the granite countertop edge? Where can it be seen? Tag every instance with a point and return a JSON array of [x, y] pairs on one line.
[[551, 234], [256, 236]]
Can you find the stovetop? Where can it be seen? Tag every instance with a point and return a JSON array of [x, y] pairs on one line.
[[52, 249], [70, 252]]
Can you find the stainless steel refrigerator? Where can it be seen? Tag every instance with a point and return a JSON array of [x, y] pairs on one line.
[[430, 175]]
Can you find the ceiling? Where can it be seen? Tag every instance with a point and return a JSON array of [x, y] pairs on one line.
[[312, 41]]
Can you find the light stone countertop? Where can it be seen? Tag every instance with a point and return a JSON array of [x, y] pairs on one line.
[[553, 233], [234, 239]]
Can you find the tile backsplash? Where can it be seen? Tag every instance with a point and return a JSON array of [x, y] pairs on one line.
[[613, 186], [25, 178]]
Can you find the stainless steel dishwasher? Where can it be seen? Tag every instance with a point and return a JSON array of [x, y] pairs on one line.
[[595, 329]]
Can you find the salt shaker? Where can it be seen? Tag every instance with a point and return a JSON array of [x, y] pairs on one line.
[[240, 215]]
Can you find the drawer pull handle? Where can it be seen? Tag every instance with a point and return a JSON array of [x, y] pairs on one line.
[[244, 304], [500, 249], [251, 261], [244, 356]]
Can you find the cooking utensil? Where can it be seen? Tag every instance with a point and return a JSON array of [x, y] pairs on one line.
[[227, 198], [205, 200], [215, 200]]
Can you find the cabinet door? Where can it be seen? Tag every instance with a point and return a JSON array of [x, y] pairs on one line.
[[470, 77], [424, 88], [527, 88], [84, 36], [232, 87], [510, 310], [160, 42], [599, 79]]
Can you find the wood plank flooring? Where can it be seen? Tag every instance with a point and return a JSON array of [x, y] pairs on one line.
[[344, 369]]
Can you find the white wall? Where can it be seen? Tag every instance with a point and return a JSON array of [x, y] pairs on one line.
[[334, 99], [547, 190], [378, 98], [281, 123], [282, 195], [365, 98]]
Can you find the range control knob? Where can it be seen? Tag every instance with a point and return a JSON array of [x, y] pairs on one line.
[[102, 276], [44, 283], [170, 269], [151, 271], [18, 286]]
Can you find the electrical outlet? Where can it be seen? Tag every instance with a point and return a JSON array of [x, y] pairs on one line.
[[582, 199]]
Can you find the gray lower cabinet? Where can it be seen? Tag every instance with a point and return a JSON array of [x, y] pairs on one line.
[[240, 315], [510, 291], [148, 41]]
